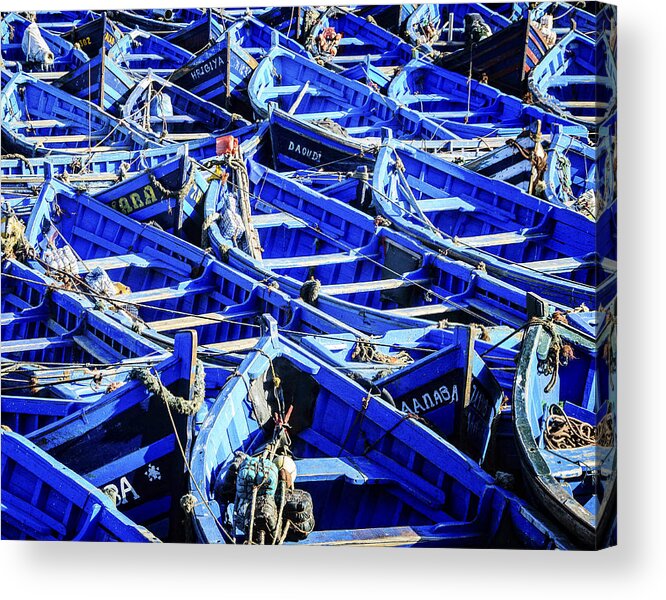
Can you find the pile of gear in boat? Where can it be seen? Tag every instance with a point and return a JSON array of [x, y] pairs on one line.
[[310, 275]]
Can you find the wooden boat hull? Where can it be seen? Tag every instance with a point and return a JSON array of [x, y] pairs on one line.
[[138, 51], [591, 281], [506, 57], [429, 23], [206, 75], [167, 195], [39, 119], [356, 463], [45, 501], [299, 145], [99, 81], [65, 56], [465, 106], [577, 80], [198, 34], [576, 485], [94, 35], [137, 440]]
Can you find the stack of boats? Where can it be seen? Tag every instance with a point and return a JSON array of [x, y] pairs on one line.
[[310, 275]]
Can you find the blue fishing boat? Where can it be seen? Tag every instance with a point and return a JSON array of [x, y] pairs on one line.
[[297, 144], [504, 59], [577, 80], [566, 15], [94, 35], [57, 355], [565, 403], [138, 51], [165, 195], [452, 26], [221, 73], [526, 242], [391, 17], [198, 34], [562, 169], [456, 100], [48, 55], [97, 170], [344, 442], [38, 119], [100, 81], [44, 500], [138, 433], [166, 112], [165, 284], [161, 21], [341, 39], [62, 21], [440, 378], [332, 110], [346, 263]]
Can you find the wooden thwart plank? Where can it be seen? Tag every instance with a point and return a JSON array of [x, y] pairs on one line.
[[499, 239], [370, 286], [233, 345], [310, 261], [190, 321]]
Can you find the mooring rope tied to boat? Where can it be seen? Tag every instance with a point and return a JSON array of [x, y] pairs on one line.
[[193, 479]]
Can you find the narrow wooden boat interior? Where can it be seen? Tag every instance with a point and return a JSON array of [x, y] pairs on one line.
[[522, 45], [64, 56], [449, 97], [513, 233], [39, 118], [163, 284], [577, 79], [565, 406], [310, 239], [139, 433], [314, 94], [138, 51], [360, 42], [168, 112], [401, 484], [442, 26]]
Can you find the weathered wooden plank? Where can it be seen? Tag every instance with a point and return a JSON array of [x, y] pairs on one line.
[[370, 286]]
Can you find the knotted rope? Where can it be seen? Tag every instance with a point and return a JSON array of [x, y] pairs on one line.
[[154, 385], [559, 354], [365, 351]]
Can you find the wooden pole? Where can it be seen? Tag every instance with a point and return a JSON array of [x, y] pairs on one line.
[[228, 71], [102, 70]]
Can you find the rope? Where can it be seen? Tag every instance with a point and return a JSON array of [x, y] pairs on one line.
[[559, 354], [22, 158], [205, 227], [194, 481], [14, 243], [562, 432], [179, 194], [365, 351], [154, 385]]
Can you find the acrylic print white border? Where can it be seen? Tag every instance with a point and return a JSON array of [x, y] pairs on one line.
[[633, 570]]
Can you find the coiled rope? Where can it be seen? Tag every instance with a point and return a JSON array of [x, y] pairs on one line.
[[365, 351]]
